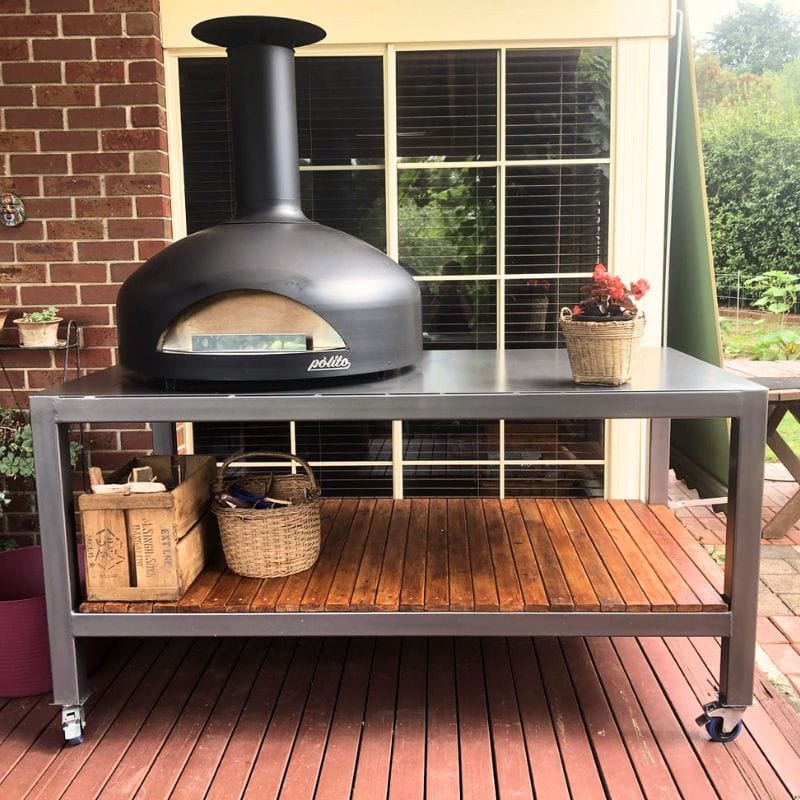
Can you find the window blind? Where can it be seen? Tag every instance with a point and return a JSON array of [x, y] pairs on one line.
[[558, 103], [340, 110], [209, 183], [447, 105]]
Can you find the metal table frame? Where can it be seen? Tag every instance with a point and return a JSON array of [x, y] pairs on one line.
[[447, 385]]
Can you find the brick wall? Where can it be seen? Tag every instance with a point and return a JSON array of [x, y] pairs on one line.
[[83, 143]]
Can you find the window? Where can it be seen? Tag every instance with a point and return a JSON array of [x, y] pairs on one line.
[[497, 170]]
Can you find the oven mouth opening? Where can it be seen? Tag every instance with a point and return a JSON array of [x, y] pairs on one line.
[[249, 323]]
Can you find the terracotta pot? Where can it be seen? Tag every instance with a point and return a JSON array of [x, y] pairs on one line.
[[38, 334], [24, 647], [4, 312]]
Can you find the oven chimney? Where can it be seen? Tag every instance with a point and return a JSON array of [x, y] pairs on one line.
[[263, 111]]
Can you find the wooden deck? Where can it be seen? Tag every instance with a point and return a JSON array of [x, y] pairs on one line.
[[401, 719], [477, 555]]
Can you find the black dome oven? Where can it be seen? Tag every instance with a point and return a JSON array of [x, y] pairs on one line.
[[268, 295]]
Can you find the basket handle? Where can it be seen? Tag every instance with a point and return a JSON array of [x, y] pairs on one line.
[[268, 454]]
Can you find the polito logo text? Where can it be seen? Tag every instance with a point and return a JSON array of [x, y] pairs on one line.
[[329, 363]]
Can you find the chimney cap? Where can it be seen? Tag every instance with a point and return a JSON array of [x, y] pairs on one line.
[[257, 30]]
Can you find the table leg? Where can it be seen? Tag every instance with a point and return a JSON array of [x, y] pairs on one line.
[[658, 466], [61, 575], [742, 540]]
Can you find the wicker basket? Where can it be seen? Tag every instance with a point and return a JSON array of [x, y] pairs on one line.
[[268, 543], [601, 352]]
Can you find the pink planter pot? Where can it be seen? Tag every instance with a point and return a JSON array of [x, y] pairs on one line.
[[24, 649]]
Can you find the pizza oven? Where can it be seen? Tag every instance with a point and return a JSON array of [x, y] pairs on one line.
[[268, 295]]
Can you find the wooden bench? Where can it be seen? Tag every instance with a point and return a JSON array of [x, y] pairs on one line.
[[782, 378]]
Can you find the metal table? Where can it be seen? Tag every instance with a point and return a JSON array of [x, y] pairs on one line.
[[516, 384]]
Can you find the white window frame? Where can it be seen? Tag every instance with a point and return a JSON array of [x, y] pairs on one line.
[[638, 111]]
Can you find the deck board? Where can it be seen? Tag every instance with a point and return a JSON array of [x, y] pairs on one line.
[[241, 751], [388, 718], [306, 757], [371, 781], [200, 768], [171, 759], [607, 741], [474, 731], [273, 757], [547, 769], [728, 781], [482, 555], [573, 740], [442, 765], [391, 578], [511, 760], [407, 767], [530, 576], [646, 758], [688, 771], [342, 748], [749, 760]]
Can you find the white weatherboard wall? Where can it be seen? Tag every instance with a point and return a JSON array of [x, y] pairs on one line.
[[637, 225], [382, 21], [638, 30]]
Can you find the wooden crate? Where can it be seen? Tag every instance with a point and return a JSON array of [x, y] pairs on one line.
[[150, 546]]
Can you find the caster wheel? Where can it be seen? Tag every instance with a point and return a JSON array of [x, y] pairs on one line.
[[714, 728], [75, 740]]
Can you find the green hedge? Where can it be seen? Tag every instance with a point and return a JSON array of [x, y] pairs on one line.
[[752, 162]]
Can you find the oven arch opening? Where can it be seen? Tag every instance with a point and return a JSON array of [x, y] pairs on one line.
[[247, 321]]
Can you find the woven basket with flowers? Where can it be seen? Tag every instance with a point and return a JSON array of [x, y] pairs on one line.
[[602, 332]]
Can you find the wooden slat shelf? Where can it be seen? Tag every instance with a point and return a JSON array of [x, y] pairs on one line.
[[476, 555]]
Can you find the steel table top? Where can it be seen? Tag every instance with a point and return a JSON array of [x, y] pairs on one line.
[[446, 384]]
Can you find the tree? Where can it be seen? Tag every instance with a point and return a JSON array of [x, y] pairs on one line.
[[756, 38], [716, 85]]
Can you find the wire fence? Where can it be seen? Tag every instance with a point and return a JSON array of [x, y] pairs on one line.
[[737, 309]]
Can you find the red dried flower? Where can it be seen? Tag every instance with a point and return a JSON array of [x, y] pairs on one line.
[[600, 274], [607, 296], [639, 289]]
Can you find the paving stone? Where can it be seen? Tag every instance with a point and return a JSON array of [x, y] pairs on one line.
[[792, 601], [783, 584], [770, 605], [782, 551], [789, 626], [785, 657], [778, 566], [768, 630]]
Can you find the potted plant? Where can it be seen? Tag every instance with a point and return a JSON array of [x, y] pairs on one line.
[[39, 328], [603, 330], [24, 648]]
